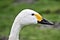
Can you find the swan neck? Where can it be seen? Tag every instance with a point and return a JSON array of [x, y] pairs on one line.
[[14, 34]]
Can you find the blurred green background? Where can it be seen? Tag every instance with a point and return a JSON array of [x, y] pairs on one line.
[[49, 9]]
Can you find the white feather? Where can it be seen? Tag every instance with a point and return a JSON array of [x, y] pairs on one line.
[[23, 18]]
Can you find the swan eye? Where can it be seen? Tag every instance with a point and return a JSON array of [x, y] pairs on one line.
[[32, 14]]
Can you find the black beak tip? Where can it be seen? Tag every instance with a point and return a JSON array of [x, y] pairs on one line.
[[50, 23], [46, 22]]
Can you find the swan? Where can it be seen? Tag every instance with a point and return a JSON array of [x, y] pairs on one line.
[[25, 17]]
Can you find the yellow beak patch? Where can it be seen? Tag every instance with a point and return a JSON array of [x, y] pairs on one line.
[[38, 17]]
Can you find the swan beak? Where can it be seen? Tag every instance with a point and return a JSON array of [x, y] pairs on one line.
[[44, 21], [41, 20]]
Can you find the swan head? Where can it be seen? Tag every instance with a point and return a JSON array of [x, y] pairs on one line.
[[28, 16]]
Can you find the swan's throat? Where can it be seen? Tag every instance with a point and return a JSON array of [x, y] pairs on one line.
[[14, 34]]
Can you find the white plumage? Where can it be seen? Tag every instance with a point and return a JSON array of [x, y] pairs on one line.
[[25, 17]]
